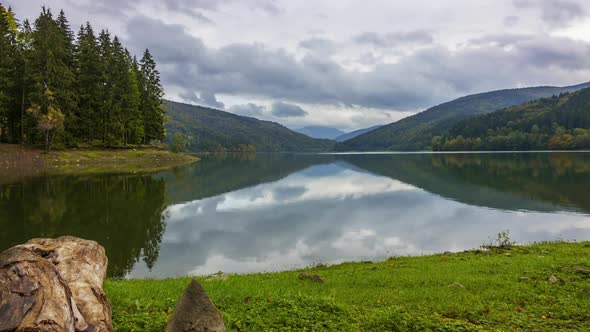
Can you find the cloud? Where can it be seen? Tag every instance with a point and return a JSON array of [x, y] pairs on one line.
[[511, 21], [389, 40], [319, 45], [429, 75], [204, 99], [556, 13], [284, 110], [250, 109]]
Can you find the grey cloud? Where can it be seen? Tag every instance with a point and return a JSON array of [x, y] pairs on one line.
[[319, 45], [555, 12], [394, 39], [511, 21], [204, 99], [430, 75], [251, 110], [284, 110], [268, 6], [193, 8]]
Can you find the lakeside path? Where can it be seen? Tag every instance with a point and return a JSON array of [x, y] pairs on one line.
[[542, 287], [18, 161]]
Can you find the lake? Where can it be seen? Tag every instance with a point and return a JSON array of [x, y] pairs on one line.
[[269, 212]]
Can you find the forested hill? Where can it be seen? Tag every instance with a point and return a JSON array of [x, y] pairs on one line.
[[557, 123], [416, 132], [208, 129], [58, 87]]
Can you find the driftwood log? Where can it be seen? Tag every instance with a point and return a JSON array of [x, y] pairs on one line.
[[54, 285]]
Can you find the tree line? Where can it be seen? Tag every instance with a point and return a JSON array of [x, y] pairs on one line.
[[558, 123], [71, 90]]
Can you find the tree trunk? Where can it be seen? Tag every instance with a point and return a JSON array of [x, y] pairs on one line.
[[54, 285], [47, 147], [22, 119]]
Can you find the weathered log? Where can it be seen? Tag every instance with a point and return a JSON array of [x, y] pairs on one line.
[[54, 285], [194, 312]]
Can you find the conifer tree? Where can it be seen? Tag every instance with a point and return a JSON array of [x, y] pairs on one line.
[[65, 92], [8, 61], [88, 82], [57, 87], [105, 53], [49, 68], [24, 78], [151, 94]]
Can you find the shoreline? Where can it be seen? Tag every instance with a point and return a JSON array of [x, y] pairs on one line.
[[18, 162], [534, 287]]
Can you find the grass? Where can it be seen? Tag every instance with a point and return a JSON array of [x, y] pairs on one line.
[[116, 161], [19, 161], [491, 290]]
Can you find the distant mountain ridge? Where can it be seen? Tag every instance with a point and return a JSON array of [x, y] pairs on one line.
[[321, 132], [416, 132], [557, 123], [214, 130], [356, 133]]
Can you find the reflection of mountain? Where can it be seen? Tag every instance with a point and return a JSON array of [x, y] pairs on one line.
[[216, 175], [122, 213], [258, 212], [334, 212], [534, 182]]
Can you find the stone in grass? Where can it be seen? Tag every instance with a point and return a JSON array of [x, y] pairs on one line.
[[194, 312], [456, 285], [582, 269], [311, 277], [553, 280]]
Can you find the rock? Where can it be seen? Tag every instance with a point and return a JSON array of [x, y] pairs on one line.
[[456, 285], [582, 269], [194, 312], [553, 280], [54, 285], [311, 277]]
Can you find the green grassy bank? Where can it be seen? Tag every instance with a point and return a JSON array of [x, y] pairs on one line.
[[18, 161], [542, 287]]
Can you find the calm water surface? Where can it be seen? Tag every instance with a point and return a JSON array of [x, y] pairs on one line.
[[254, 213]]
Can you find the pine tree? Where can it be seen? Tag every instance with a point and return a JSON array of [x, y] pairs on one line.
[[88, 82], [24, 79], [133, 126], [105, 53], [65, 92], [74, 90], [151, 94], [49, 68], [118, 78], [8, 61]]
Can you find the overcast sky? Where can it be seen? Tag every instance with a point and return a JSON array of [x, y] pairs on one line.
[[343, 63]]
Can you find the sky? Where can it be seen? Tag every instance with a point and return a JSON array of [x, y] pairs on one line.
[[347, 64]]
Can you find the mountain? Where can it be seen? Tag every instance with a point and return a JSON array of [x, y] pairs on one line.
[[557, 123], [215, 130], [416, 132], [355, 133], [320, 132]]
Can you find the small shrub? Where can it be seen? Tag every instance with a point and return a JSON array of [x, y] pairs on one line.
[[502, 241]]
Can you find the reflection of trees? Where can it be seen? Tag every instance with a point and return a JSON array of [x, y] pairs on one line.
[[122, 213], [485, 179]]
